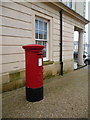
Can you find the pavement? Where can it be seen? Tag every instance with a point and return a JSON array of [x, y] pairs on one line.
[[64, 97]]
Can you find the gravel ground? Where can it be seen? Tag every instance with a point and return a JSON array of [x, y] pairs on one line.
[[64, 97]]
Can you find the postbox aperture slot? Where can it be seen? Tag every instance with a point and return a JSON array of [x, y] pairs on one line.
[[39, 54]]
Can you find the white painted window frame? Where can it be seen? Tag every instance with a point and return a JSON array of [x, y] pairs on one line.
[[50, 42]]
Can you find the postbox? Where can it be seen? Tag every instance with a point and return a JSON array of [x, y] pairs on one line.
[[34, 72]]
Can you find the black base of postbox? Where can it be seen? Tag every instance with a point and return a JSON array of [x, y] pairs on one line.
[[34, 94]]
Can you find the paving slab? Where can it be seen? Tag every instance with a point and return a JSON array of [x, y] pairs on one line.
[[64, 97]]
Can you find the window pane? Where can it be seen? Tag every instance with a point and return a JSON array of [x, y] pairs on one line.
[[73, 5], [40, 25], [36, 42], [39, 42], [36, 34], [36, 24], [70, 5], [44, 50], [40, 34], [44, 43], [45, 35], [45, 26]]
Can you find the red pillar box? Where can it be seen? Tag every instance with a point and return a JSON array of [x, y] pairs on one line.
[[34, 72]]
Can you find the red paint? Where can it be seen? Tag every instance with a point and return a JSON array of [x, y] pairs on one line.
[[34, 73]]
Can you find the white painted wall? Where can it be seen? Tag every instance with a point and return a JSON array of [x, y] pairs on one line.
[[18, 29]]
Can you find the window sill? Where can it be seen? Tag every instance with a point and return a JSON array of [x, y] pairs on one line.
[[48, 62]]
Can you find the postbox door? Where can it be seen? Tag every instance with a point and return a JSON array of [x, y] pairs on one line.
[[34, 73]]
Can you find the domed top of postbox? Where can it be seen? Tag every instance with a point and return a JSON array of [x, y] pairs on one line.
[[33, 47]]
